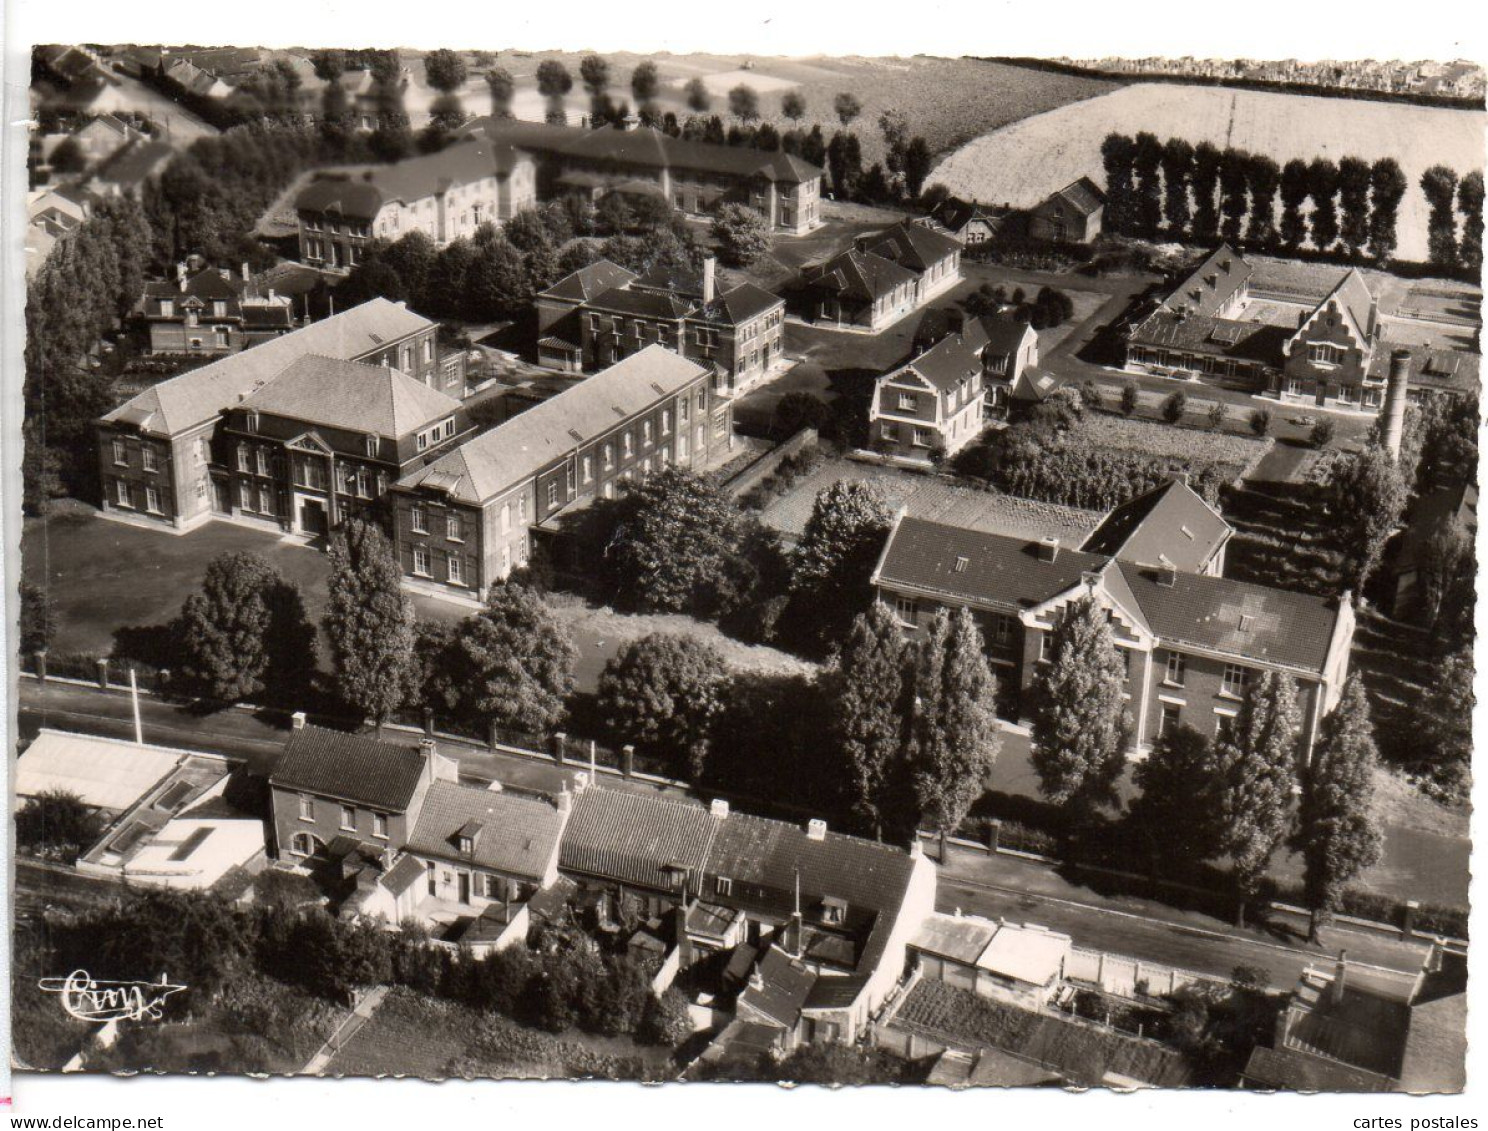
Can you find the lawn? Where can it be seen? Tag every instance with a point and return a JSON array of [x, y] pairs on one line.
[[410, 1035], [1189, 444], [1024, 162]]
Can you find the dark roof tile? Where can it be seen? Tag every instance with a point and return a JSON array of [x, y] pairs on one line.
[[349, 767]]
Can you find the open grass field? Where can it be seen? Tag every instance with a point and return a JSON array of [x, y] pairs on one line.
[[949, 101], [1023, 162], [1122, 434]]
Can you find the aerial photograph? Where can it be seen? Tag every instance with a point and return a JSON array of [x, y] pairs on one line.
[[946, 571]]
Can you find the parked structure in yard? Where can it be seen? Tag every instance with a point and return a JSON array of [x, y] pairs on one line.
[[694, 177], [882, 277], [1334, 355], [1023, 965], [212, 311], [446, 195], [1190, 642], [328, 416], [1339, 1036], [585, 324], [1072, 215], [468, 519]]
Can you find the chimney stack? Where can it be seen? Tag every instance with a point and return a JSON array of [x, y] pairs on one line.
[[297, 720], [710, 279], [1048, 549], [816, 829], [565, 799], [1395, 397], [1340, 978], [246, 276], [1167, 574], [719, 808]]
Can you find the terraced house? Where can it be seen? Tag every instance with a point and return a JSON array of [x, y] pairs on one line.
[[446, 195], [1190, 642], [237, 439], [737, 331], [469, 518]]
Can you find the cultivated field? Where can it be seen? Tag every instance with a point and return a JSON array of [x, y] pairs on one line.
[[949, 101], [1022, 163]]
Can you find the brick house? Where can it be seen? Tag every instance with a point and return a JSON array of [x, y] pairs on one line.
[[736, 330], [1334, 355], [468, 518], [968, 222], [1071, 215], [212, 311], [882, 277], [1190, 641], [694, 177], [446, 195], [1010, 353], [159, 458], [931, 407]]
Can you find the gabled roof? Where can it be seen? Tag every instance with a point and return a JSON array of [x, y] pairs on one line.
[[349, 767], [363, 192], [521, 833], [946, 364], [131, 165], [739, 304], [858, 274], [1082, 195], [778, 988], [1223, 272], [521, 447], [634, 838], [408, 871], [197, 396], [1437, 370], [1171, 524], [911, 245], [587, 282], [644, 304], [352, 395], [954, 214], [1352, 298], [1003, 336]]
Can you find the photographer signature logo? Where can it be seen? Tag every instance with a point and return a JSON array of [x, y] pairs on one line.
[[90, 1000]]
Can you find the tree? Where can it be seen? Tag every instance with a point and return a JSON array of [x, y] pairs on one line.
[[1353, 197], [57, 823], [1387, 186], [514, 663], [553, 83], [446, 114], [1448, 570], [847, 107], [1147, 154], [743, 235], [645, 82], [1294, 190], [369, 622], [662, 694], [866, 689], [666, 1020], [1322, 433], [744, 103], [502, 86], [793, 105], [1130, 398], [1442, 727], [239, 634], [496, 283], [1117, 155], [832, 563], [1470, 204], [1368, 495], [1080, 726], [1174, 405], [1337, 833], [1204, 182], [594, 72], [698, 98], [894, 126], [917, 161], [329, 64], [1439, 184], [953, 729], [1234, 187], [38, 622], [1257, 755], [1177, 810], [845, 162], [68, 157], [1264, 176], [1260, 421], [1322, 186], [445, 70], [1177, 166]]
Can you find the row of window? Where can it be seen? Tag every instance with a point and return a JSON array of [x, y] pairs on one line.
[[1172, 716], [454, 565], [149, 456], [454, 522], [168, 309], [149, 497], [349, 817], [441, 431]]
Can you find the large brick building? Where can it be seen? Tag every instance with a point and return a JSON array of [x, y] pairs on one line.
[[165, 458], [602, 314], [212, 311], [446, 195], [1331, 354], [1190, 641], [882, 277], [468, 519]]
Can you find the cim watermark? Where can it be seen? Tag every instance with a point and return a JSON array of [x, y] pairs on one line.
[[90, 1000]]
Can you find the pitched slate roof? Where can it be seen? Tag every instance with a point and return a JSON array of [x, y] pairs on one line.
[[587, 282], [955, 214], [363, 192], [911, 245], [1353, 298], [197, 396], [522, 446], [858, 274], [1003, 336], [739, 304], [1171, 523], [645, 304], [1290, 1070], [1001, 572], [946, 364], [778, 988], [518, 835], [349, 767], [353, 395], [1083, 195], [408, 871], [1210, 285], [632, 838], [1438, 370], [132, 164]]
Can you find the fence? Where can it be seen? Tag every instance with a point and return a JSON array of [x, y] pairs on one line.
[[764, 467], [1129, 977]]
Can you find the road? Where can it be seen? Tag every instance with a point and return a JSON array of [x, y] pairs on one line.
[[178, 125]]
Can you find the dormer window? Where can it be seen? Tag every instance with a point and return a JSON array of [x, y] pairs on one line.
[[167, 308], [369, 445], [834, 910], [467, 837], [250, 421], [725, 886]]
